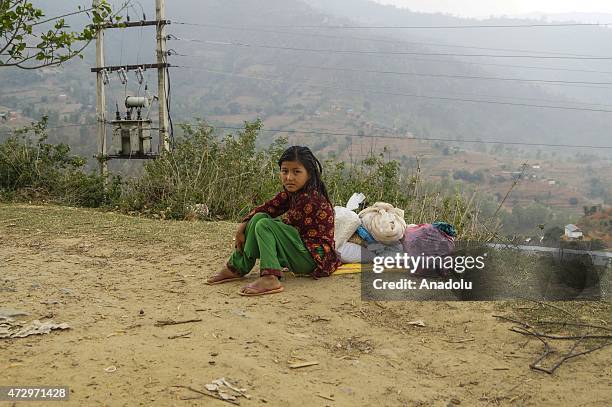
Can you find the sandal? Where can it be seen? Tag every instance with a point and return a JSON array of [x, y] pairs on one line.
[[259, 291], [224, 280]]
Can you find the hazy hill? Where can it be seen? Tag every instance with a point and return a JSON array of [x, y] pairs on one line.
[[599, 18], [290, 93]]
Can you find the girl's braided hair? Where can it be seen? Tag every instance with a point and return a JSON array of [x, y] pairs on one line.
[[312, 165]]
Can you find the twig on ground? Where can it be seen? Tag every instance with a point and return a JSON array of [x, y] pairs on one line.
[[516, 321], [564, 323], [553, 306], [524, 331], [460, 340], [207, 394], [302, 364], [548, 350], [378, 304], [164, 322], [536, 366], [180, 335]]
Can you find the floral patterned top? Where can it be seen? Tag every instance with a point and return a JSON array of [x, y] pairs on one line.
[[313, 216]]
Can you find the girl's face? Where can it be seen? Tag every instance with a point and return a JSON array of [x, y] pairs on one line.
[[293, 175]]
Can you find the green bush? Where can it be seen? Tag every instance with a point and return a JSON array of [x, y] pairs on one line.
[[33, 170], [228, 175]]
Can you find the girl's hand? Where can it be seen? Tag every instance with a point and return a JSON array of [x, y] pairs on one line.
[[240, 237]]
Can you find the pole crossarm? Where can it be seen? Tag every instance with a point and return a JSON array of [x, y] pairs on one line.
[[114, 68], [128, 24]]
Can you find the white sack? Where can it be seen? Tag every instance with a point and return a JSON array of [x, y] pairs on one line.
[[346, 223], [353, 253]]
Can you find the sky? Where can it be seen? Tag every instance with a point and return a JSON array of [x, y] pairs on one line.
[[485, 8]]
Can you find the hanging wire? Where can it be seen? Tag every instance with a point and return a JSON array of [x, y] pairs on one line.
[[323, 27], [393, 53], [578, 84], [382, 136], [146, 93], [385, 41], [168, 102], [451, 61], [390, 92]]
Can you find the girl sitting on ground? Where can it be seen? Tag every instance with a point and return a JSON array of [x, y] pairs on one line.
[[303, 241]]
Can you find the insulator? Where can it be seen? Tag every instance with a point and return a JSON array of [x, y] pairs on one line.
[[123, 76], [140, 76], [105, 78]]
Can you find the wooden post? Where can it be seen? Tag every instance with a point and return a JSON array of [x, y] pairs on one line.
[[101, 101], [162, 79]]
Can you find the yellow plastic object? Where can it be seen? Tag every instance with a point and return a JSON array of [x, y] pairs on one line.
[[352, 268]]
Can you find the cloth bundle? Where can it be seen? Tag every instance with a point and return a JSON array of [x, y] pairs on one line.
[[384, 222]]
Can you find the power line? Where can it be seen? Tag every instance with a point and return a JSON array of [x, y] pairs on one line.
[[400, 53], [493, 78], [512, 66], [397, 93], [327, 133], [387, 41], [455, 61], [549, 82], [355, 27], [454, 77]]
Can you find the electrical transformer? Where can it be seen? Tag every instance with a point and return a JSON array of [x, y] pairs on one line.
[[132, 137]]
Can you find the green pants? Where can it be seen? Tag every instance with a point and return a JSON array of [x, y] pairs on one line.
[[275, 244]]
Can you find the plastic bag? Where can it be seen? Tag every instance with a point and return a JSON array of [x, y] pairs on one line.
[[426, 240]]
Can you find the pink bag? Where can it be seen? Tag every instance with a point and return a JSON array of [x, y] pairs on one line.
[[425, 240]]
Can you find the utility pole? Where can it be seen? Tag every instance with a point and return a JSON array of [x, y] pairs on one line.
[[162, 78], [123, 127], [101, 100]]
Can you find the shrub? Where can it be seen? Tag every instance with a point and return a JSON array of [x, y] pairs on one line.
[[31, 169], [228, 175]]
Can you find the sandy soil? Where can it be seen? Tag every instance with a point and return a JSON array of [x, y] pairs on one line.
[[112, 277]]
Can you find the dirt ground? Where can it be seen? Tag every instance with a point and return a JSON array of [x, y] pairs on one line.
[[112, 277]]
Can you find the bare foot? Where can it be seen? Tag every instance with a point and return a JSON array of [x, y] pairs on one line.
[[262, 285], [223, 276]]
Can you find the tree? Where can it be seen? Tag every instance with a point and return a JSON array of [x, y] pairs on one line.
[[26, 44]]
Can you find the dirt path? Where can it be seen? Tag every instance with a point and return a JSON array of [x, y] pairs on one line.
[[112, 277]]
